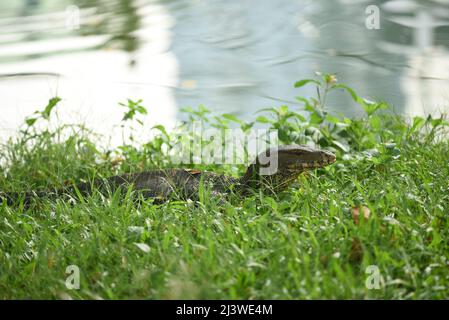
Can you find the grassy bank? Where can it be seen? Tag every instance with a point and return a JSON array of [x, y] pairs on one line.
[[307, 242]]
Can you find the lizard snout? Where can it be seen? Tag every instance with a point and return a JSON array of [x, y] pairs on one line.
[[329, 157]]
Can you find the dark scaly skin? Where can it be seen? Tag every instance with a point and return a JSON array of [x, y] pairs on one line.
[[163, 184]]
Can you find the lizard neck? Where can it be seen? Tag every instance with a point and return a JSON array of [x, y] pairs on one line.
[[279, 181]]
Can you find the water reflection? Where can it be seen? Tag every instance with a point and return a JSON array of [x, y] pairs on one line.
[[424, 83], [107, 60], [232, 56]]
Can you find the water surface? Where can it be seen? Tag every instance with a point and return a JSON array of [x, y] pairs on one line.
[[231, 56]]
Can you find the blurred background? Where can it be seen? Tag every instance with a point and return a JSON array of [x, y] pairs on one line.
[[233, 56]]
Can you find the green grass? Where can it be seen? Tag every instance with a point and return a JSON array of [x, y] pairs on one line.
[[301, 244]]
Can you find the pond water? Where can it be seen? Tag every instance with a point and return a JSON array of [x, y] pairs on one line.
[[232, 56]]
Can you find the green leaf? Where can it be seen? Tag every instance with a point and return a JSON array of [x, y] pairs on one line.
[[353, 94], [315, 118], [343, 147], [51, 104], [302, 83], [231, 117], [300, 117], [162, 129], [332, 119], [376, 123], [187, 110], [304, 100], [262, 119], [30, 121], [418, 123], [142, 110], [283, 110], [273, 204], [267, 109], [246, 126]]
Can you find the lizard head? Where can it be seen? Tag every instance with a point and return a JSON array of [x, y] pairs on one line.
[[298, 158], [281, 165]]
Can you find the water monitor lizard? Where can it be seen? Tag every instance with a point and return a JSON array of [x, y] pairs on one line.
[[163, 184]]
